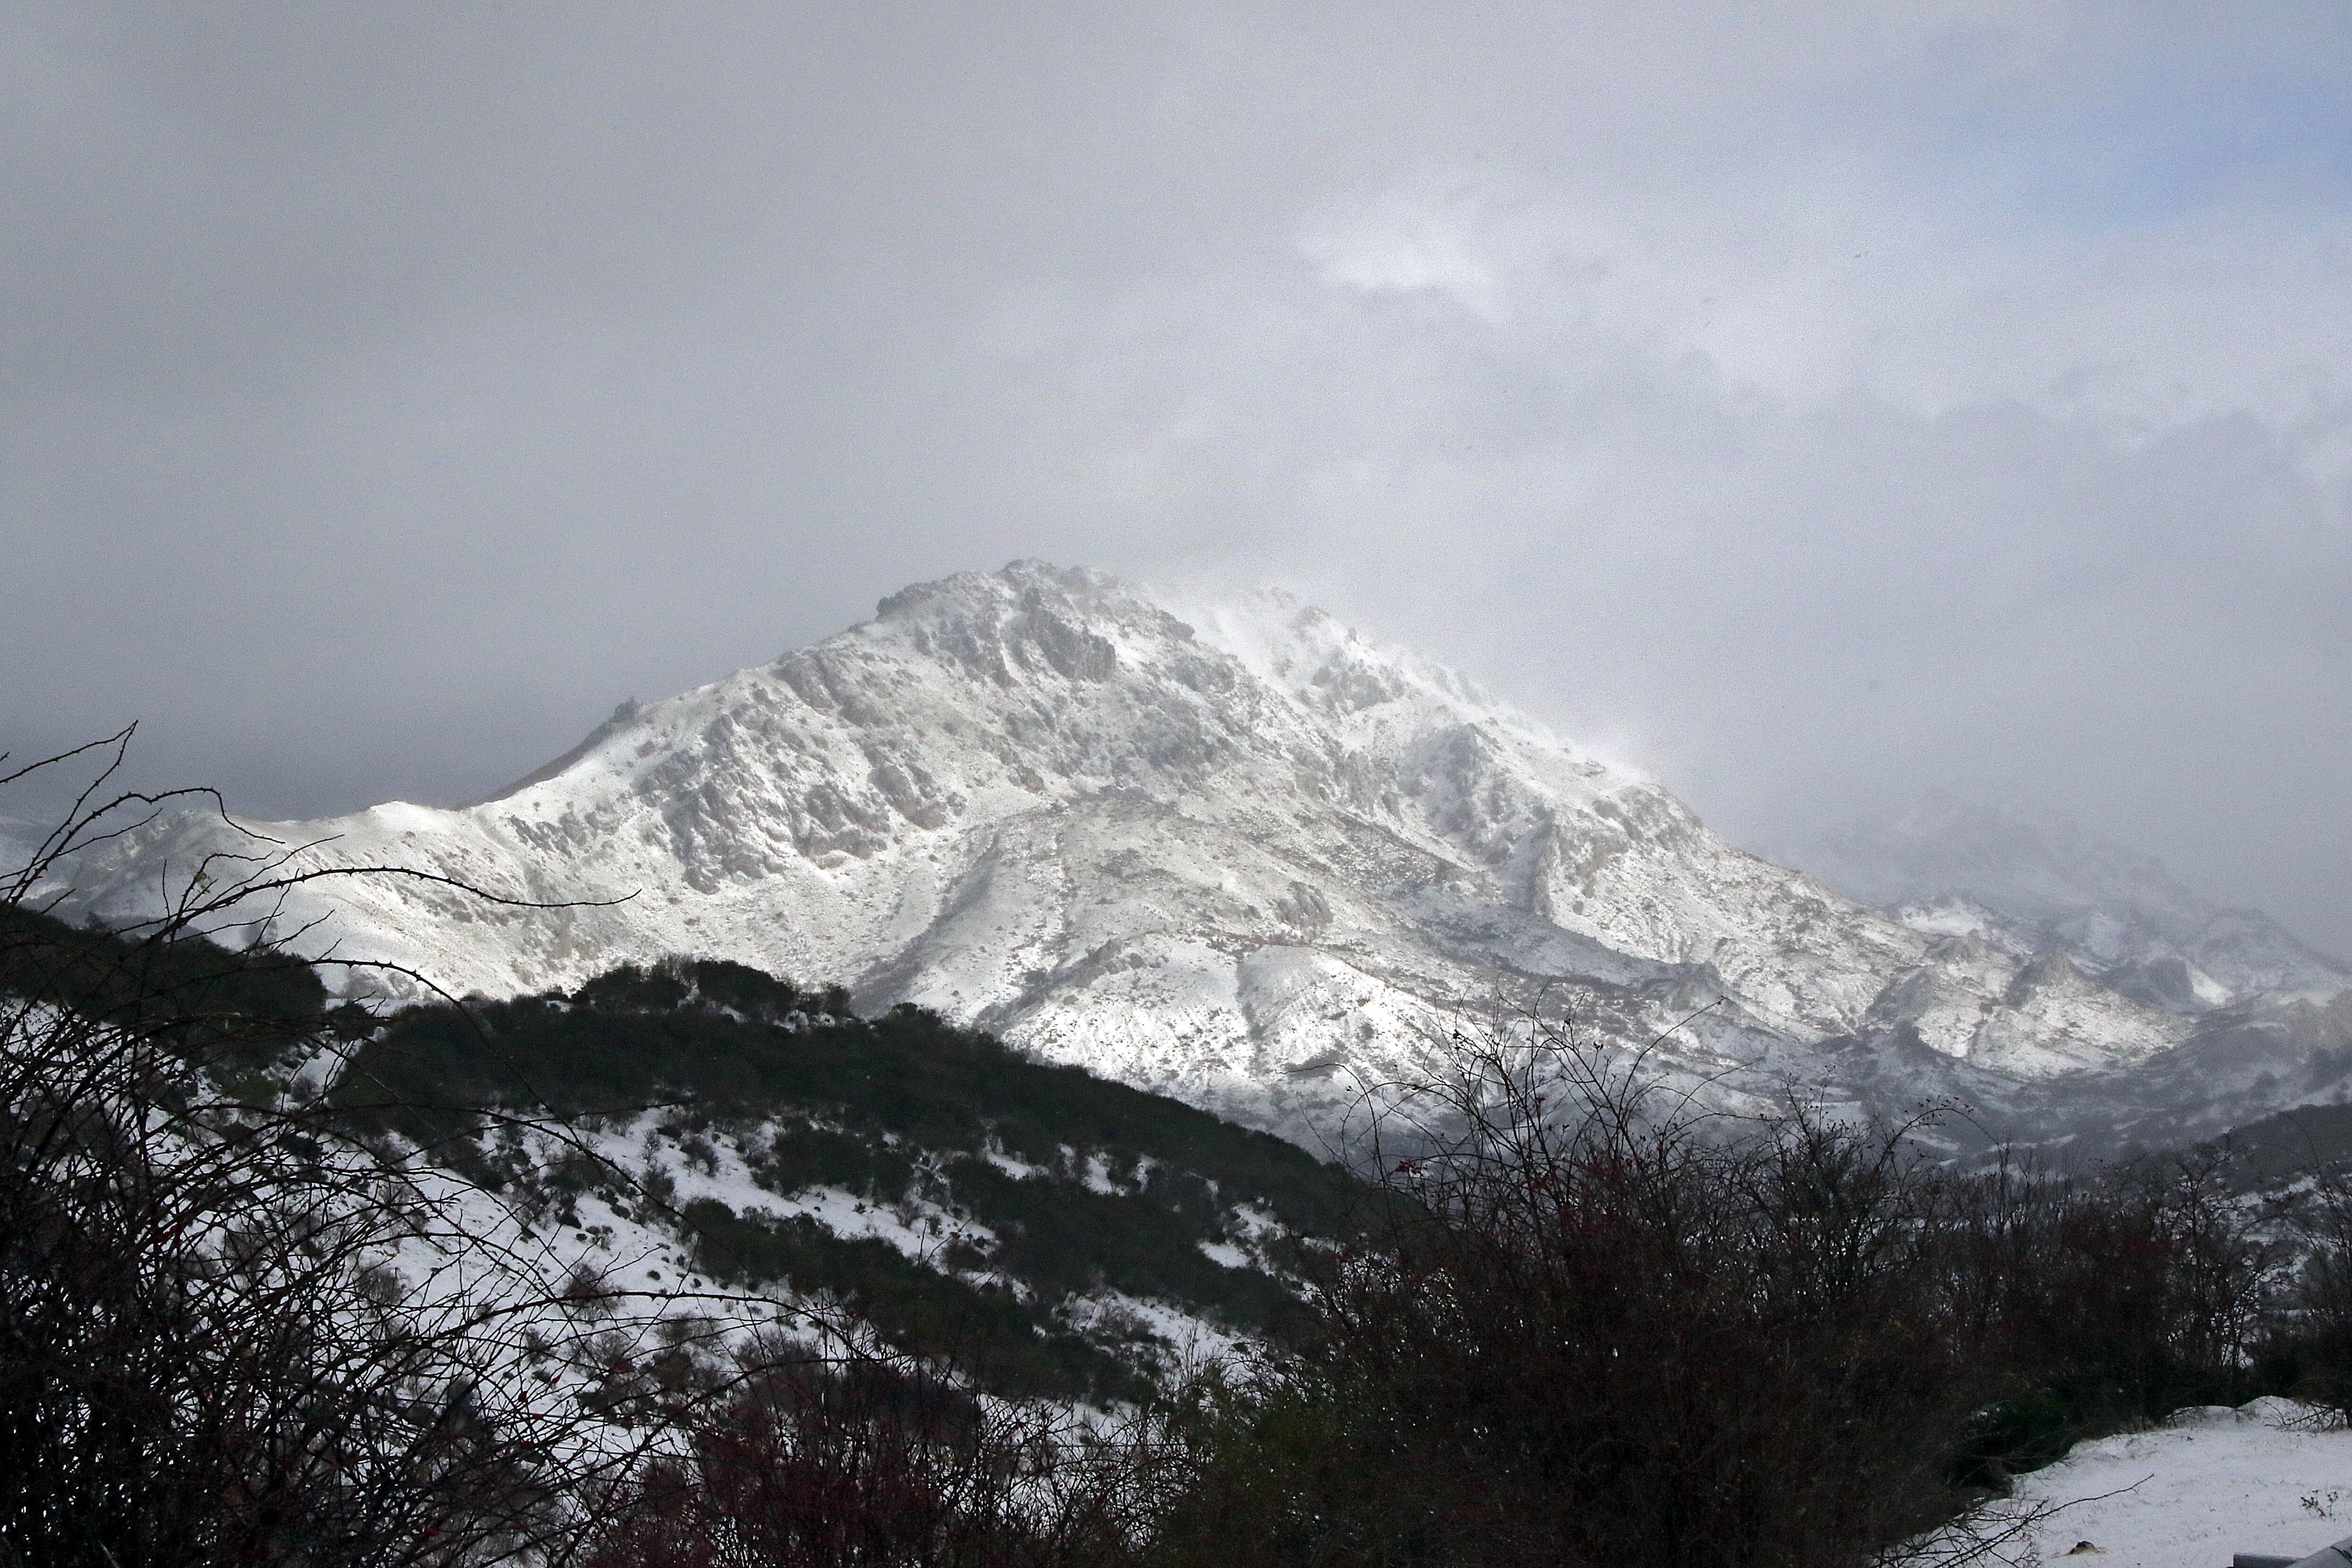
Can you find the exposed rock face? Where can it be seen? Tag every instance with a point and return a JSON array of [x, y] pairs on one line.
[[1232, 851]]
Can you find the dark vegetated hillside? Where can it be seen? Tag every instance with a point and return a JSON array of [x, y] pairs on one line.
[[1088, 1185], [2301, 1141], [177, 979]]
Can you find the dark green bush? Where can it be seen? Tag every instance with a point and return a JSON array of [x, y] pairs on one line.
[[804, 1157]]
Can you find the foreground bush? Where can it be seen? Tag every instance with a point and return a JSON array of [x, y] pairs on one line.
[[235, 1328], [1590, 1335], [811, 1464], [2102, 1303], [2306, 1339]]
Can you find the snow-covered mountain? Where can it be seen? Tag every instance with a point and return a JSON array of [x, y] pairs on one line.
[[1233, 851], [1954, 867]]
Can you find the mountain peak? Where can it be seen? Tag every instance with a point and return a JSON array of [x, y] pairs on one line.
[[1232, 848], [1028, 581]]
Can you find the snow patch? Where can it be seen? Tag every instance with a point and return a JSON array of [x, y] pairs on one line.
[[2269, 1477]]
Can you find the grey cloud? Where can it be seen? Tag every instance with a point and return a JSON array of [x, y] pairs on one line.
[[385, 393]]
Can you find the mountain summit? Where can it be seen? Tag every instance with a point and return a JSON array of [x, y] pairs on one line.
[[1232, 851]]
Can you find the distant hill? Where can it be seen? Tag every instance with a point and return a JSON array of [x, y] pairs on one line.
[[1948, 866], [2304, 1141]]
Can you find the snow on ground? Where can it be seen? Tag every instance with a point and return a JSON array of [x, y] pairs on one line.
[[2269, 1477], [1191, 1341], [635, 1246]]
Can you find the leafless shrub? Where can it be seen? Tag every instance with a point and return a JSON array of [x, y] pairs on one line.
[[2105, 1300], [235, 1325], [812, 1463], [2310, 1344], [1588, 1333]]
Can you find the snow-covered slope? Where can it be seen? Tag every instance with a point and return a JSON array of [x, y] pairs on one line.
[[1234, 852]]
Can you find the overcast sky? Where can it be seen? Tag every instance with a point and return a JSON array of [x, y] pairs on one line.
[[1811, 403]]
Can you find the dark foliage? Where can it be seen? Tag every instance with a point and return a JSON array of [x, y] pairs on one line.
[[734, 1041], [2103, 1304], [811, 1465], [1062, 1236], [798, 1158], [2306, 1348], [883, 1108], [2305, 1141], [1588, 1335], [207, 1353], [178, 986]]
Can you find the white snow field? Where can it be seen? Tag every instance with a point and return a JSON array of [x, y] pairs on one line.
[[2271, 1477]]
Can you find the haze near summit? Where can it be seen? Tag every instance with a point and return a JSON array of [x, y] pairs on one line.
[[1811, 404]]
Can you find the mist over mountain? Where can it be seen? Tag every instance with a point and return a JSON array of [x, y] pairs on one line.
[[1238, 853], [1950, 866]]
